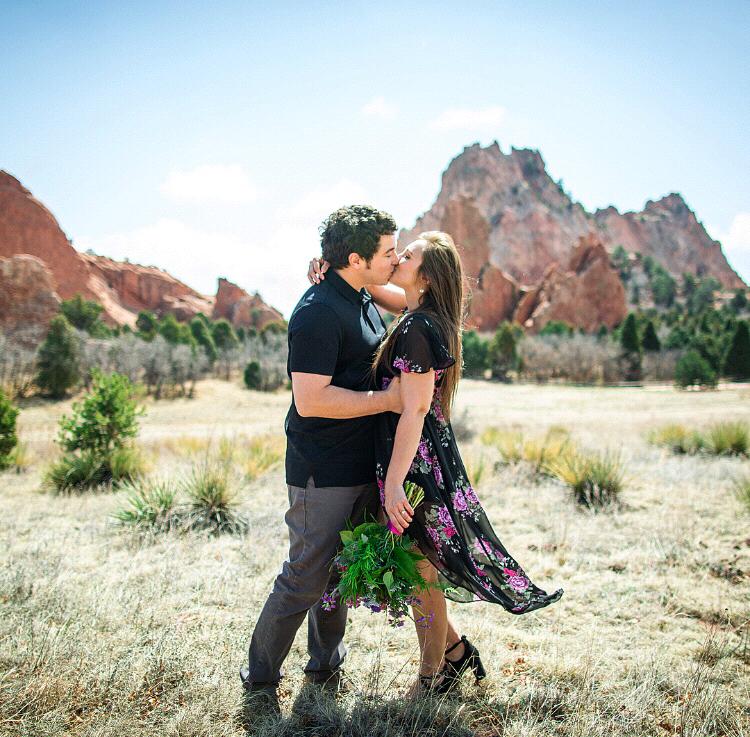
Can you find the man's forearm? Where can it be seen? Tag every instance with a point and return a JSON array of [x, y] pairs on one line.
[[342, 404]]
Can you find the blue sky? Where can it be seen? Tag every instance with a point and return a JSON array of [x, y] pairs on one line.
[[211, 139]]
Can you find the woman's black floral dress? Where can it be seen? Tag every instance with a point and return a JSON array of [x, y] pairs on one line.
[[450, 526]]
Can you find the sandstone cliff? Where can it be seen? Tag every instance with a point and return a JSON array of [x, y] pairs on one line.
[[123, 289], [516, 226]]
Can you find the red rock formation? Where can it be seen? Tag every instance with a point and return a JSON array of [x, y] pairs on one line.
[[27, 293], [241, 308], [530, 220], [27, 226], [669, 231], [588, 294], [123, 289]]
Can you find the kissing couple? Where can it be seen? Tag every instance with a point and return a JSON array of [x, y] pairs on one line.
[[370, 410]]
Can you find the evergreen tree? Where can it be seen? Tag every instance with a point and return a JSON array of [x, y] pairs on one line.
[[651, 340], [85, 314], [147, 324], [8, 437], [58, 360], [475, 351], [502, 354], [224, 336], [693, 369], [203, 337], [629, 335], [737, 361], [175, 332], [738, 301], [631, 349], [253, 376]]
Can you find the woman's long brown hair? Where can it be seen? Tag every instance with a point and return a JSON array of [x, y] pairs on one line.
[[443, 303]]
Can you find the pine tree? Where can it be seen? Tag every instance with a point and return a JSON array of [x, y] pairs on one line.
[[651, 340], [737, 360], [58, 360], [629, 336], [502, 355]]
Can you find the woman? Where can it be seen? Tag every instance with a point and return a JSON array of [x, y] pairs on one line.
[[449, 527]]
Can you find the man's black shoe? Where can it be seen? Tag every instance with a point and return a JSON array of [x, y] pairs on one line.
[[333, 682]]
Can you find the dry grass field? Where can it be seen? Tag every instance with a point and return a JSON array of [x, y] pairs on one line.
[[104, 631]]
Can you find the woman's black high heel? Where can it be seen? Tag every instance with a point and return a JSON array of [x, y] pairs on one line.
[[439, 683], [454, 669]]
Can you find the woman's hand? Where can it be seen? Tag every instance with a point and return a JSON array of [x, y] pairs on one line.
[[397, 506], [316, 271]]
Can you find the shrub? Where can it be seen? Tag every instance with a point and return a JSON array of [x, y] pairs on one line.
[[580, 358], [212, 499], [651, 340], [692, 369], [475, 354], [594, 479], [538, 453], [557, 327], [58, 359], [8, 436], [252, 376]]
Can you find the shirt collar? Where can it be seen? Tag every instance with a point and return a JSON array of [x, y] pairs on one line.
[[347, 291]]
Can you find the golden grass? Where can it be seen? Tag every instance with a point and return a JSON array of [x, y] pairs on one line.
[[104, 632]]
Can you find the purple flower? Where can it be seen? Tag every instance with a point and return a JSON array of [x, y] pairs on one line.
[[424, 451], [444, 516], [329, 601], [470, 495], [402, 364], [438, 411], [518, 583], [433, 533], [392, 529], [459, 502], [437, 472]]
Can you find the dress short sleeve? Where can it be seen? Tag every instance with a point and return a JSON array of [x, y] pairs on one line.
[[419, 347]]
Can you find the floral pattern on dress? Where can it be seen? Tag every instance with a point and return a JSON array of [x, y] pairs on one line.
[[450, 526]]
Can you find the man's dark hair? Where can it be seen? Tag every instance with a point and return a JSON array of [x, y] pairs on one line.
[[353, 229]]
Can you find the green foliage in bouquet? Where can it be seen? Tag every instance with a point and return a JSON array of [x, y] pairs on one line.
[[378, 569]]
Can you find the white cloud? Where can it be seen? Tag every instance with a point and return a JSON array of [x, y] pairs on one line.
[[378, 107], [736, 243], [314, 206], [211, 183], [468, 119], [274, 265]]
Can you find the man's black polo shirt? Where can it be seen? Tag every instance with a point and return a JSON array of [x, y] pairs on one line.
[[334, 330]]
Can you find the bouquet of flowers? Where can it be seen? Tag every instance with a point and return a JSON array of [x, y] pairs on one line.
[[378, 568]]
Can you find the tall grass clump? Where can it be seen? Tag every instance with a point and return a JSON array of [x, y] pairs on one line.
[[149, 505], [212, 499], [261, 454], [721, 438], [595, 479], [97, 438], [538, 453]]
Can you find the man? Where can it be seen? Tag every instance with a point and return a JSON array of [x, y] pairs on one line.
[[330, 469]]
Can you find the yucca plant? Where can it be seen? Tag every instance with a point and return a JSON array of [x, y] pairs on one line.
[[261, 454], [21, 458], [508, 442], [212, 499], [475, 467], [149, 505], [595, 479], [728, 438]]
